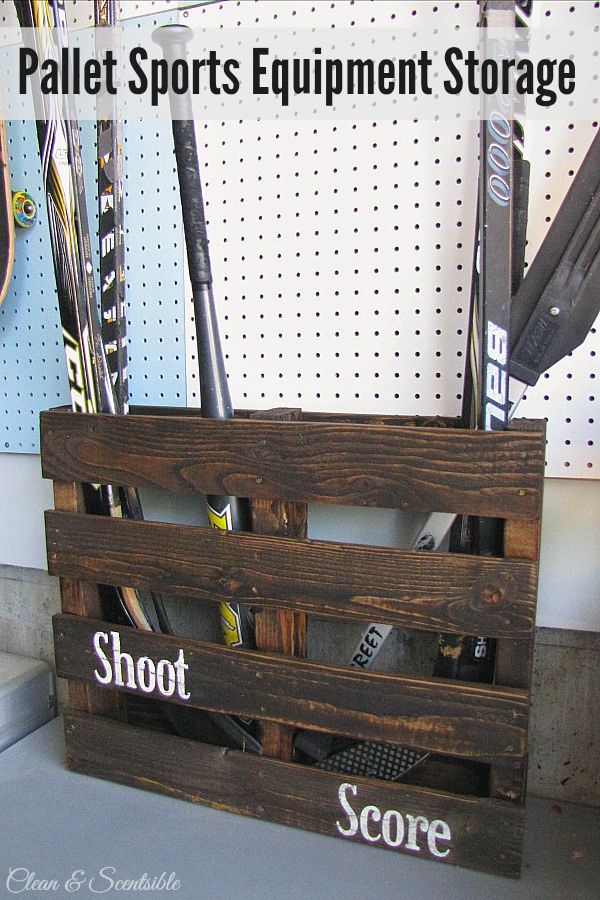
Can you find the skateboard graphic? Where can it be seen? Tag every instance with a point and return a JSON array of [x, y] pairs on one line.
[[16, 208]]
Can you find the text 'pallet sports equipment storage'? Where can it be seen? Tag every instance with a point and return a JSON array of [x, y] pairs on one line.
[[462, 805]]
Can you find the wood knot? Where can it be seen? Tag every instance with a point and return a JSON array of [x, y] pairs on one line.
[[493, 595]]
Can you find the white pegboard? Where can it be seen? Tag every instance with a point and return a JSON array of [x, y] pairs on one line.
[[81, 12], [342, 250], [329, 288]]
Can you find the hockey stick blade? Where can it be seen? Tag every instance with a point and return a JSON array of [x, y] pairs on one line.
[[580, 194], [560, 317]]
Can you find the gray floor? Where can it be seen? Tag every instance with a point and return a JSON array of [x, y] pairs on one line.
[[56, 823]]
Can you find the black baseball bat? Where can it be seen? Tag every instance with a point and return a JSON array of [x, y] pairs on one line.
[[225, 512]]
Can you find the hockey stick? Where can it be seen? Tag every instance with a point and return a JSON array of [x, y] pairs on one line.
[[224, 512], [110, 222], [58, 137], [89, 379], [486, 395], [494, 220], [432, 535]]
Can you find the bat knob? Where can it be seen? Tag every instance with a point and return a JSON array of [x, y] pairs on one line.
[[169, 37]]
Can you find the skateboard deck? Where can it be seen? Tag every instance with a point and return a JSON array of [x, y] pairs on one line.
[[7, 224]]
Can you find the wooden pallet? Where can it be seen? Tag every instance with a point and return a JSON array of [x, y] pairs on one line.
[[442, 811]]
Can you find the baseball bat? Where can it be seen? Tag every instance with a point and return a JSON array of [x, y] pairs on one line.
[[225, 512]]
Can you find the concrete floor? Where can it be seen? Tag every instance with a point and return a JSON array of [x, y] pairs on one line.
[[55, 823]]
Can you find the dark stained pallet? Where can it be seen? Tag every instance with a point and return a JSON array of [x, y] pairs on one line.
[[483, 722], [453, 470], [485, 834], [465, 804], [435, 592]]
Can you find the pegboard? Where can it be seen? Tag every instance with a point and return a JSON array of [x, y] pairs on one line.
[[341, 253], [342, 250], [33, 373]]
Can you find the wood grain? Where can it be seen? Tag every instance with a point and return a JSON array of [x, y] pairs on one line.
[[279, 630], [439, 591], [467, 720], [82, 598], [514, 660], [448, 470], [485, 834], [305, 415]]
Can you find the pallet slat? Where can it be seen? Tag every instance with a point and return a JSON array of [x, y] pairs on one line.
[[441, 591], [297, 414], [467, 720], [80, 599], [446, 470], [484, 834], [280, 630]]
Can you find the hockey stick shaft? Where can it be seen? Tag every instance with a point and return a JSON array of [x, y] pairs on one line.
[[110, 220], [497, 144], [59, 149], [472, 658], [58, 136], [111, 332]]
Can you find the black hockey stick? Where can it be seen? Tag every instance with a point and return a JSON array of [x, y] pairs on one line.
[[486, 399], [224, 512], [89, 379], [499, 154], [58, 135], [110, 222]]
